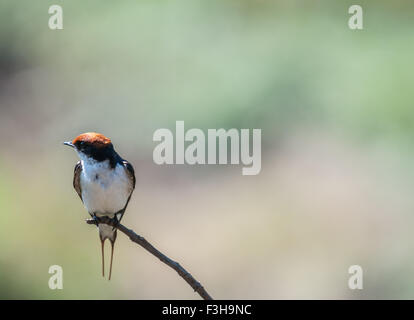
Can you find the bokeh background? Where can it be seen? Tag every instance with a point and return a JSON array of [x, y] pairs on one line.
[[336, 111]]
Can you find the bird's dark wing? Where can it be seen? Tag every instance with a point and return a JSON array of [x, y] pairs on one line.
[[131, 174], [76, 179], [130, 171]]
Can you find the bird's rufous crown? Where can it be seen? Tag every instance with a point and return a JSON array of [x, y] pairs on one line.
[[93, 138]]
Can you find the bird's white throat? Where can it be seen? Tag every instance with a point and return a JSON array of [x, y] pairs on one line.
[[105, 190]]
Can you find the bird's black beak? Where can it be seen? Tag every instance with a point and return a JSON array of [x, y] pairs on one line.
[[68, 143]]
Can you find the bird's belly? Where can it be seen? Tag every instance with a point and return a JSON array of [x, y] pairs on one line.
[[104, 196]]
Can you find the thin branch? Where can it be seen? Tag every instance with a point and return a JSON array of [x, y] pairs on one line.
[[150, 248]]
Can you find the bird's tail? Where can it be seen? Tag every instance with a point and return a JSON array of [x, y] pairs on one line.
[[107, 232], [103, 256]]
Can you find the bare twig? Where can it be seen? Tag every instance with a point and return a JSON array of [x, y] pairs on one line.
[[150, 248]]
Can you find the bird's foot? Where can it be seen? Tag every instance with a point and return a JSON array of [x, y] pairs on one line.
[[115, 222], [94, 220]]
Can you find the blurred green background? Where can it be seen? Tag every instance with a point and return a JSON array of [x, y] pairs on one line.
[[336, 111]]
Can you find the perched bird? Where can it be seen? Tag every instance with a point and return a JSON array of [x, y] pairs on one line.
[[104, 182]]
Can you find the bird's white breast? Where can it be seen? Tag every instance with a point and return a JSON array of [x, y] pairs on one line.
[[105, 191]]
